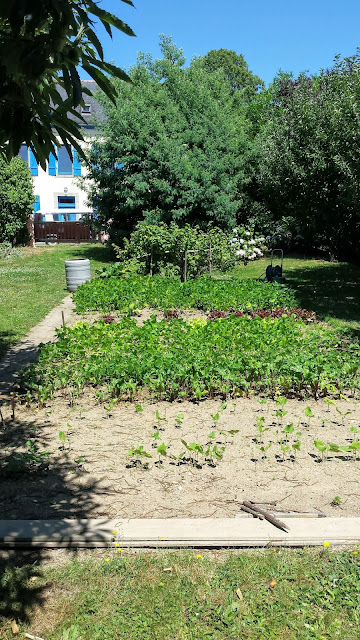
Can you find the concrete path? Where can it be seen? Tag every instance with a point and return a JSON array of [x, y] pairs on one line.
[[25, 351], [179, 533]]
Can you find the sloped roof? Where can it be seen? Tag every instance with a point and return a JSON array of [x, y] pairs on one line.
[[96, 110]]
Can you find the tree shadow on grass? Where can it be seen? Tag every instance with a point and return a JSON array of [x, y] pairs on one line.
[[7, 340], [331, 290], [95, 252], [55, 490]]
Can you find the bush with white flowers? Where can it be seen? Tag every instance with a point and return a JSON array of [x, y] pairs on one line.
[[247, 245]]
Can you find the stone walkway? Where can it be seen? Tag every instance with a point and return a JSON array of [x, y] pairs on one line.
[[25, 352]]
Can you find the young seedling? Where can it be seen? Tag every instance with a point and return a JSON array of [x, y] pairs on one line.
[[162, 451], [343, 415], [213, 453], [336, 502], [216, 418], [63, 439], [280, 413], [138, 408], [329, 402], [110, 406], [179, 420], [194, 448], [156, 436], [308, 414], [136, 456], [159, 420], [261, 429], [321, 447]]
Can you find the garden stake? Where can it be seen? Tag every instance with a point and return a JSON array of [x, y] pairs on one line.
[[12, 404], [63, 319], [2, 419]]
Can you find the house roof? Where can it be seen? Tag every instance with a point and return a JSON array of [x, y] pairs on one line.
[[95, 109]]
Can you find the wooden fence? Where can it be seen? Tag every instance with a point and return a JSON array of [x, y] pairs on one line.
[[53, 232]]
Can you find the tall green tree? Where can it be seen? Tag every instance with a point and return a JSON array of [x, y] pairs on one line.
[[42, 42], [173, 148], [236, 71], [16, 200], [309, 156]]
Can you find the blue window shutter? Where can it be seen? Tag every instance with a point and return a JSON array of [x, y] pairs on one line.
[[77, 164], [52, 165], [33, 164], [37, 204]]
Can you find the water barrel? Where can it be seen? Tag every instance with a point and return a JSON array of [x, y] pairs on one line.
[[77, 272]]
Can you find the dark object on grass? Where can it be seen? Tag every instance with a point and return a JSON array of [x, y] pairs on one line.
[[275, 273]]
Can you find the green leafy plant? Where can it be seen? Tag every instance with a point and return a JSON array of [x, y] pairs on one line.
[[343, 414], [322, 448], [162, 451], [32, 460], [194, 449], [193, 360], [64, 439], [308, 414], [179, 419], [137, 457]]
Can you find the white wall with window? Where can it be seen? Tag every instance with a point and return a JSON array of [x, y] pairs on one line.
[[58, 196]]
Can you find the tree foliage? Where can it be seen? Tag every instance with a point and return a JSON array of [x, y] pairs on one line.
[[308, 150], [16, 200], [173, 148], [41, 45], [235, 69]]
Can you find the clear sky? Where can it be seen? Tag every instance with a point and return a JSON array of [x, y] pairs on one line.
[[292, 35]]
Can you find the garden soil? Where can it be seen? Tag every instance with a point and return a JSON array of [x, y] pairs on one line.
[[91, 476]]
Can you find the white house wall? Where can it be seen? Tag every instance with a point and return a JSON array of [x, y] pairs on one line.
[[49, 187]]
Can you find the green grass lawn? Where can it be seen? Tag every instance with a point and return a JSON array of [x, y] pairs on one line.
[[32, 284], [183, 595]]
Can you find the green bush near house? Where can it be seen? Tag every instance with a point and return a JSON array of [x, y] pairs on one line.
[[16, 200]]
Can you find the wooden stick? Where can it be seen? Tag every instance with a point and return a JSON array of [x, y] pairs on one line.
[[12, 404], [2, 419], [63, 319], [277, 523]]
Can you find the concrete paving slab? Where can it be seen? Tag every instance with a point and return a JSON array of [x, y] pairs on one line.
[[179, 533]]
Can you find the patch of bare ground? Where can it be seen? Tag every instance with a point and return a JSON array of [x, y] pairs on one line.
[[90, 474], [140, 316]]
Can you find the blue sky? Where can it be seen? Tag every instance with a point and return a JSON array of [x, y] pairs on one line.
[[292, 35]]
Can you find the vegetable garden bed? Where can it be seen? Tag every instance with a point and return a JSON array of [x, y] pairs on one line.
[[161, 418], [91, 460]]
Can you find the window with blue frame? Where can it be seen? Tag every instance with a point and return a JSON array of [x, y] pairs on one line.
[[36, 204], [27, 155], [64, 165], [66, 202]]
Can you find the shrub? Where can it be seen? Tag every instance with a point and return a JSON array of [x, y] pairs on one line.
[[16, 200], [157, 248]]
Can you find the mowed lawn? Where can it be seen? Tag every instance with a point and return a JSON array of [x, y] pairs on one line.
[[185, 595], [34, 283]]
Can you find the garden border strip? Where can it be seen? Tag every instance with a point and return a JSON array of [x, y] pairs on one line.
[[26, 350], [179, 533]]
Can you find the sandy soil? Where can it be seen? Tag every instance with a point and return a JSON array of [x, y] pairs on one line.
[[104, 485]]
